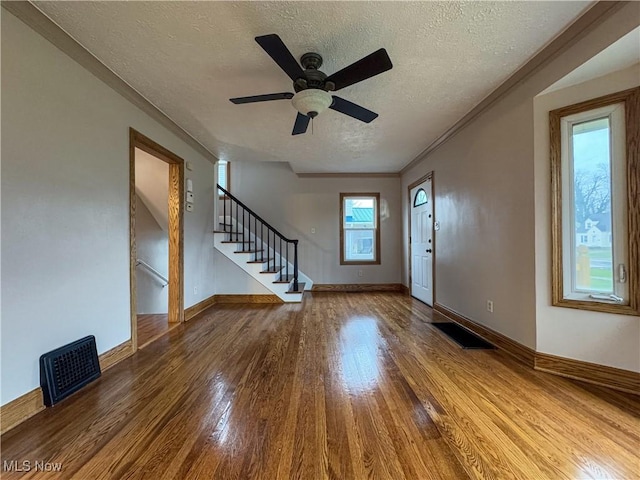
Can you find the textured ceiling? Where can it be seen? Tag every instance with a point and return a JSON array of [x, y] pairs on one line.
[[189, 58]]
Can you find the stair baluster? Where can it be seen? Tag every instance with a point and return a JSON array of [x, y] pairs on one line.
[[274, 241], [287, 274]]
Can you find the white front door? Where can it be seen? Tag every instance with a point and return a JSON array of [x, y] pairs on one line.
[[422, 242]]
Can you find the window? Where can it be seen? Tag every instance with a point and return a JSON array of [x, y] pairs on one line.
[[420, 198], [359, 228], [224, 177], [596, 215]]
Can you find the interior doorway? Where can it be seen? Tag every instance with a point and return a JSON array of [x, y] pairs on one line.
[[421, 239], [156, 239]]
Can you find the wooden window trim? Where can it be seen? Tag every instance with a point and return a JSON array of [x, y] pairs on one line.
[[377, 229], [631, 100]]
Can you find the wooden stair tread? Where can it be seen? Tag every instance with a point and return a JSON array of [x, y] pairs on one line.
[[300, 288], [253, 248]]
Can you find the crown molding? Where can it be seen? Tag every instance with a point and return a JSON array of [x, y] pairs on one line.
[[583, 25], [43, 25], [350, 175], [38, 21]]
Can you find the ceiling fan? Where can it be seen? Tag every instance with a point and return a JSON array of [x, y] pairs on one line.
[[312, 86]]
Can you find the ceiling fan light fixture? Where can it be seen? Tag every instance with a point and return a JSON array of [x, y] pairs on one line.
[[311, 102]]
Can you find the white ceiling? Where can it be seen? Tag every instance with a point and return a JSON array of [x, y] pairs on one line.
[[617, 56], [189, 58]]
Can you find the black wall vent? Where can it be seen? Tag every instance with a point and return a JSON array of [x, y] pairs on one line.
[[67, 369]]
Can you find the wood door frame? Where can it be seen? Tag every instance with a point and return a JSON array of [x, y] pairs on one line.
[[176, 228], [428, 176]]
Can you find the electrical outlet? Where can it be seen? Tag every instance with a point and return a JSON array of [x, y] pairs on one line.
[[195, 290], [490, 306], [359, 273], [313, 230]]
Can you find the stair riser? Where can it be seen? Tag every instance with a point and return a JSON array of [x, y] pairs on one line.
[[245, 236], [255, 269]]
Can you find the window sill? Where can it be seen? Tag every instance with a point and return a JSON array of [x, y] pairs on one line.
[[360, 262], [595, 306]]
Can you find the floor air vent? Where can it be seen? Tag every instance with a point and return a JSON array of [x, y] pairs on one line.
[[67, 369]]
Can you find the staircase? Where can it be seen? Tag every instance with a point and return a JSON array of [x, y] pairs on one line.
[[260, 250]]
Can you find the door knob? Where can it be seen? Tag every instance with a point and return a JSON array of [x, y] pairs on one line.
[[428, 250]]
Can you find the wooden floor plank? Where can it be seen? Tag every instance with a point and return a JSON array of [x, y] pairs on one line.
[[151, 326], [343, 386]]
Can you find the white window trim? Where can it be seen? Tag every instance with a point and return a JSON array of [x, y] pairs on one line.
[[376, 247], [615, 113], [227, 168]]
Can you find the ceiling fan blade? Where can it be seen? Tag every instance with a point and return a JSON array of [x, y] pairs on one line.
[[302, 122], [366, 67], [262, 98], [356, 111], [275, 47]]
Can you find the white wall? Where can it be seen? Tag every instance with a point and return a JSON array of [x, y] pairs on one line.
[[602, 338], [152, 186], [484, 250], [295, 205], [152, 247], [484, 197], [231, 279], [65, 207]]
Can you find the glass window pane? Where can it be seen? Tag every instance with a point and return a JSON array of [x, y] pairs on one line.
[[222, 176], [359, 213], [593, 264], [420, 199], [359, 245]]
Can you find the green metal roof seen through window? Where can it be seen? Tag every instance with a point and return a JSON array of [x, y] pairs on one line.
[[360, 215]]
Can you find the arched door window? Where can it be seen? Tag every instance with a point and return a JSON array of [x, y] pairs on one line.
[[420, 198]]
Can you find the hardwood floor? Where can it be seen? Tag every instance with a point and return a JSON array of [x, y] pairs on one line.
[[151, 326], [342, 386]]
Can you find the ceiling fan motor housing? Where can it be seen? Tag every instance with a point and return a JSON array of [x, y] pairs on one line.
[[312, 77]]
